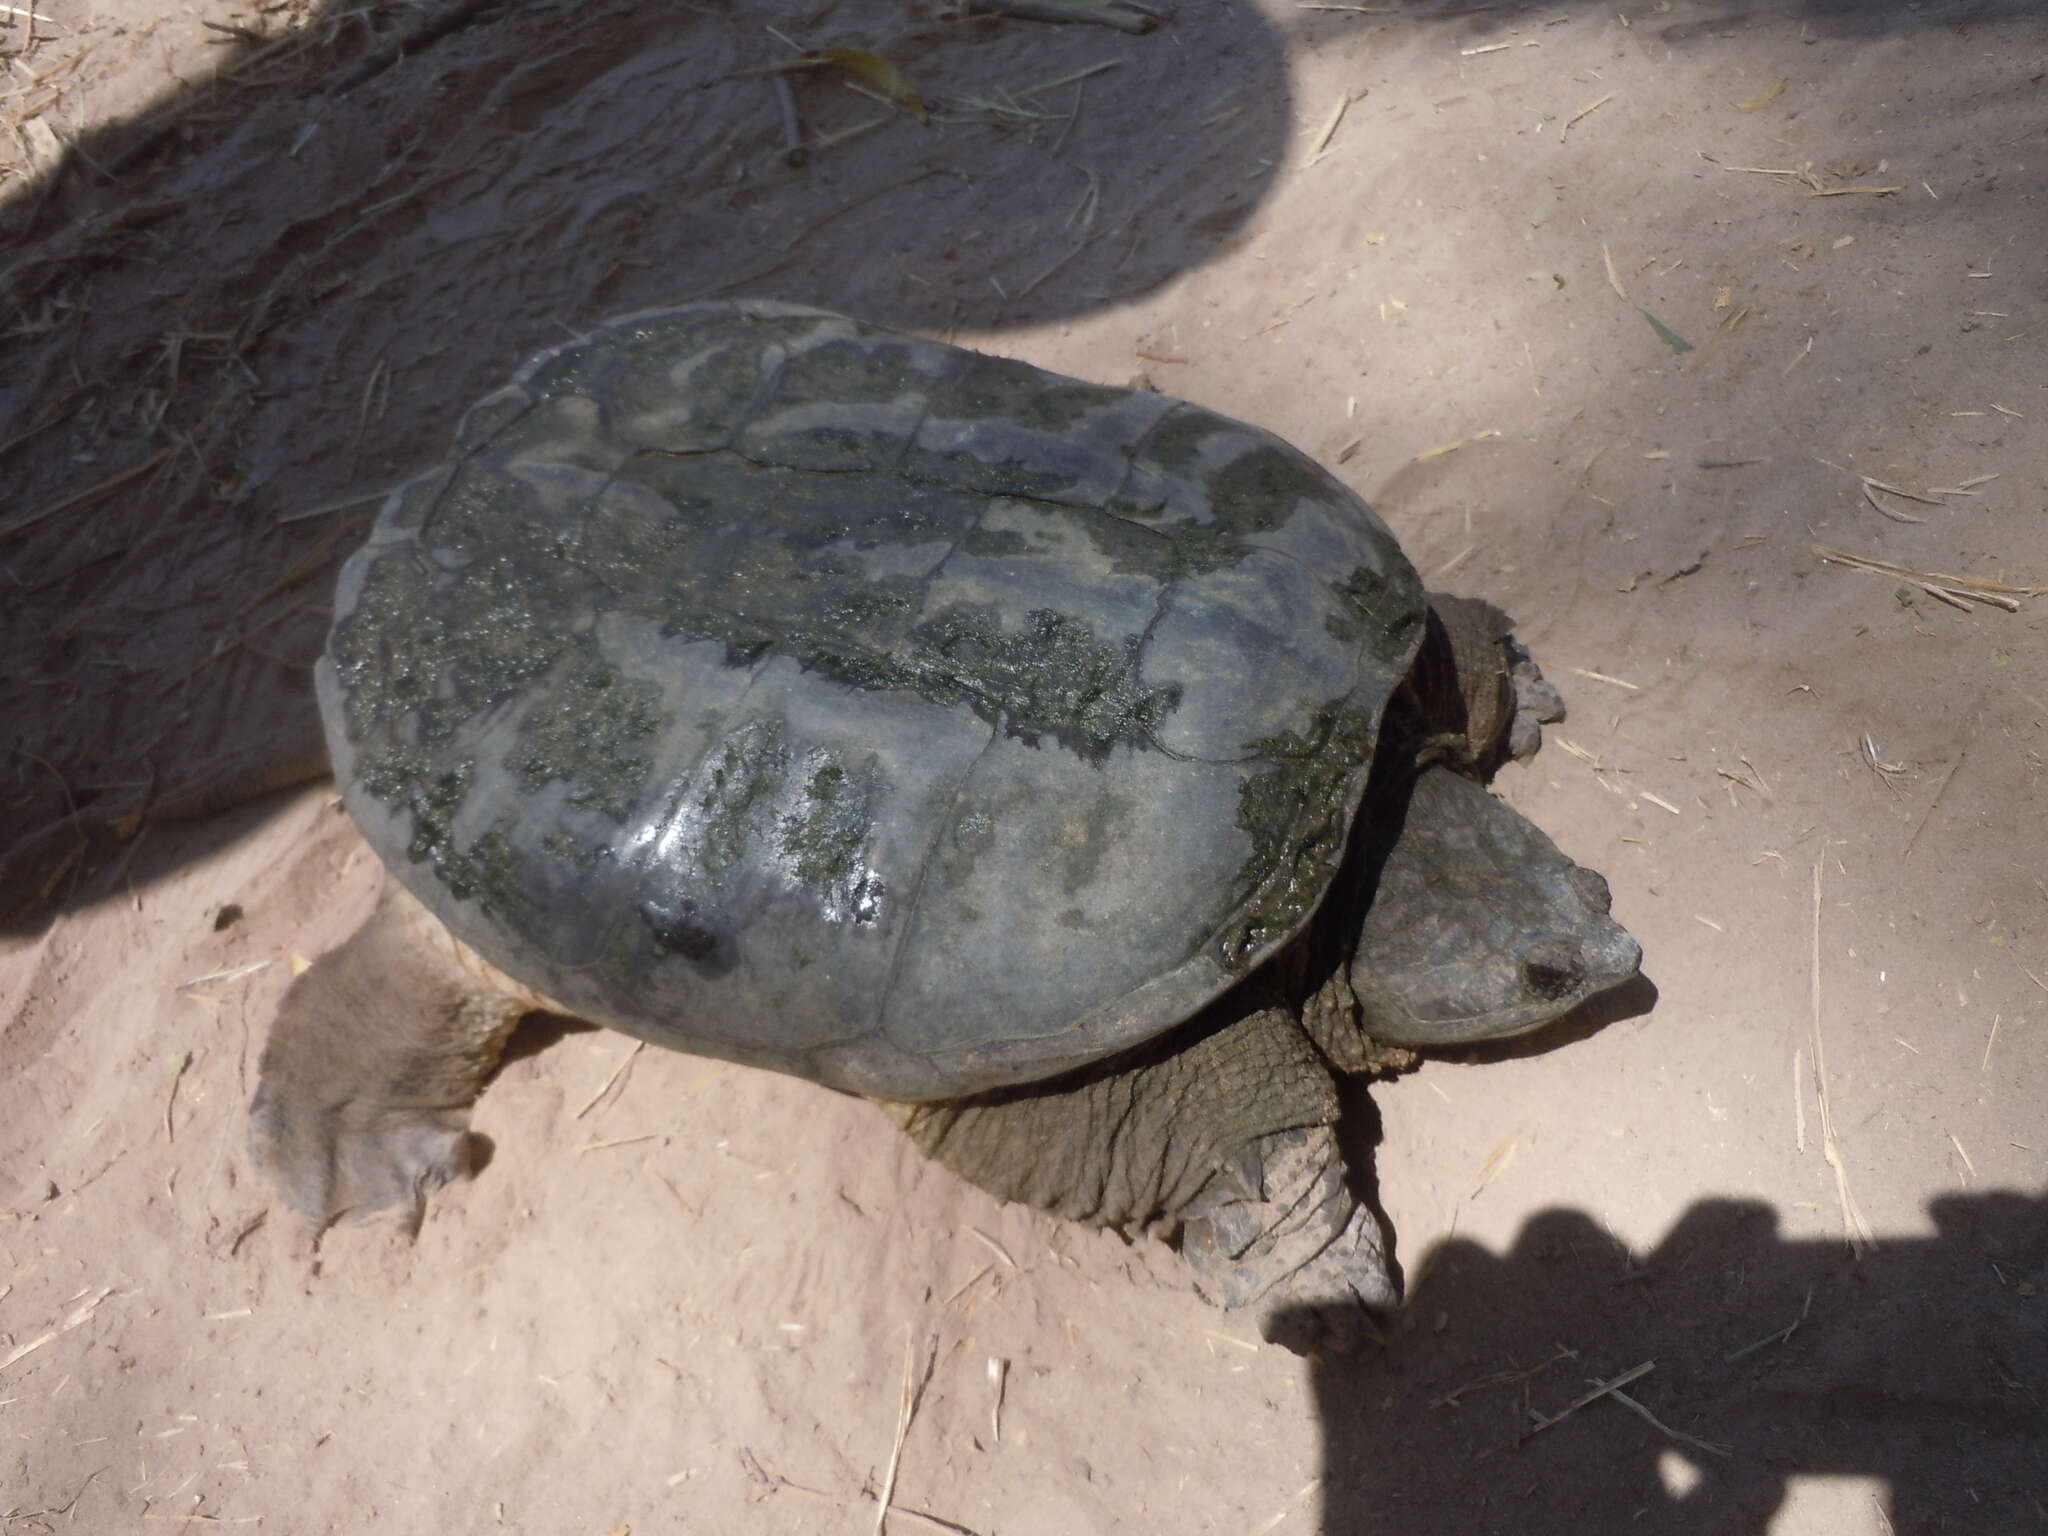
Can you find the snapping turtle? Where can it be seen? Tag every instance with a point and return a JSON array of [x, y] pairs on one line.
[[985, 742]]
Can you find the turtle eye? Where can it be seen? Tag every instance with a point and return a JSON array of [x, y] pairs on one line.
[[1553, 969]]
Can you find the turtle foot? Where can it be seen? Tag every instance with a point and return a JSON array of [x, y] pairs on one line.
[[377, 1053], [1537, 701], [353, 1159], [1287, 1238]]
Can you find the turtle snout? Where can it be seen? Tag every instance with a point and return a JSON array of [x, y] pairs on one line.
[[1555, 968], [1590, 887]]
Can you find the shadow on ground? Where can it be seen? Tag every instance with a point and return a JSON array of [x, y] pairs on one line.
[[238, 317], [1770, 1359]]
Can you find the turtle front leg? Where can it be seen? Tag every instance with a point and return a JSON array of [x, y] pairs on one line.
[[377, 1053], [1227, 1135], [1298, 1245]]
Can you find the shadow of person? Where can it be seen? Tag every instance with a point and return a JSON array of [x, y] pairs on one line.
[[1922, 1364], [242, 314]]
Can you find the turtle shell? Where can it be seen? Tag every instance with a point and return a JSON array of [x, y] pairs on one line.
[[786, 689]]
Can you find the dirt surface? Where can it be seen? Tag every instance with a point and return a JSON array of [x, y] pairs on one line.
[[1674, 278]]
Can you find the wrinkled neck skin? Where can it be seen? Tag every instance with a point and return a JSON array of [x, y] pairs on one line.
[[1315, 969]]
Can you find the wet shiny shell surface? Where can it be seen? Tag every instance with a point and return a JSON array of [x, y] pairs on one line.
[[785, 689]]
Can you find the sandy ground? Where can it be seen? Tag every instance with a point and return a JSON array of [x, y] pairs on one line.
[[1675, 278]]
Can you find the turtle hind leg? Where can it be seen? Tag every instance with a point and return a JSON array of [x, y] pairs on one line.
[[1225, 1131], [377, 1053]]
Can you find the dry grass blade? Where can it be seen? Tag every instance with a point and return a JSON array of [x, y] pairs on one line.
[[998, 1372], [2000, 594], [1870, 490], [1613, 277], [1855, 1230], [1067, 79], [1965, 1156], [616, 1073], [1590, 759], [79, 1315], [1887, 773], [966, 1285], [230, 973], [1602, 677], [934, 1522], [992, 1246], [1899, 490], [1799, 1100], [625, 1141], [1498, 1161], [1441, 449], [1805, 177], [1279, 1516], [904, 1412], [84, 498]]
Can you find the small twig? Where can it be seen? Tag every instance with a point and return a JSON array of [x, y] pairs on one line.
[[1600, 1390], [171, 1099], [793, 150], [1586, 111], [1502, 1379], [1779, 1337], [1710, 1447]]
